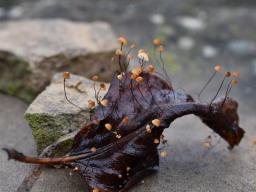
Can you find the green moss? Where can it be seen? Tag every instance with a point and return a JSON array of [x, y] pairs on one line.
[[46, 129], [27, 94], [19, 66], [63, 148], [13, 87], [19, 89]]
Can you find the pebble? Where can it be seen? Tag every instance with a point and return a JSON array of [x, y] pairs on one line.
[[157, 19], [186, 43], [209, 51], [192, 23]]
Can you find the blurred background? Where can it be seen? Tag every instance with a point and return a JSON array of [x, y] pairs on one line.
[[197, 34]]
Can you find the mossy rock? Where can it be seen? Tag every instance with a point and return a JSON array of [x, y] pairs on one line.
[[47, 129], [15, 77], [33, 51], [51, 117]]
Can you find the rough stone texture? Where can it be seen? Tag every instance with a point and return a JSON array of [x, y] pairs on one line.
[[31, 51], [50, 115], [14, 132]]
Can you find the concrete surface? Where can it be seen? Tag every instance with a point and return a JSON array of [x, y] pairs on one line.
[[53, 180], [14, 132]]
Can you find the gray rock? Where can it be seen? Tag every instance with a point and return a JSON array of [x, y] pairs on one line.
[[192, 23], [51, 116], [32, 51]]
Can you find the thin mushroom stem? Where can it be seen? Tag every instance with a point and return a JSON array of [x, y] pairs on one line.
[[66, 97], [206, 84], [217, 93], [119, 59], [165, 72], [229, 87]]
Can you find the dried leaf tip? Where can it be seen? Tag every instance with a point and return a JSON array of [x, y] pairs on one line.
[[157, 42], [217, 68], [66, 75], [108, 126], [156, 122], [104, 102], [122, 41]]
